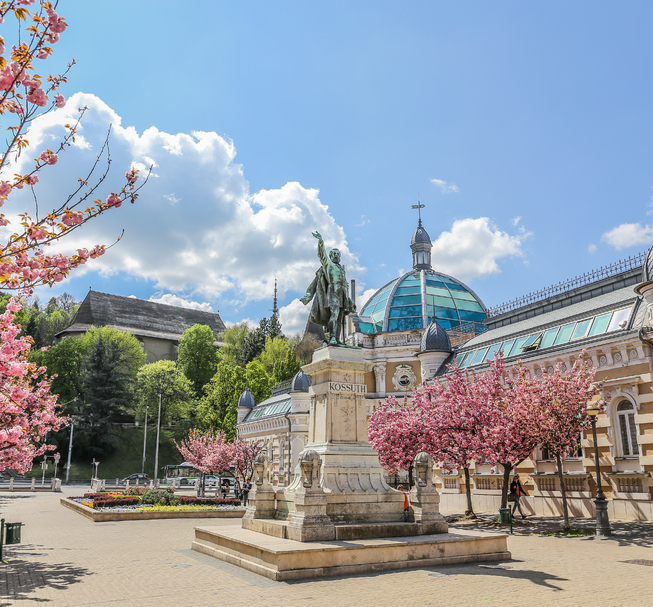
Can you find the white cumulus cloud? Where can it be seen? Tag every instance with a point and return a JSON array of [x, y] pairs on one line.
[[445, 188], [293, 317], [473, 247], [628, 235], [180, 302], [196, 230]]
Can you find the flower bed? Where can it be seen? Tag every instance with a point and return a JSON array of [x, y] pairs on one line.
[[109, 500], [99, 513]]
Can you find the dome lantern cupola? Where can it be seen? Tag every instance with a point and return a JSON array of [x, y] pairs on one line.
[[420, 245]]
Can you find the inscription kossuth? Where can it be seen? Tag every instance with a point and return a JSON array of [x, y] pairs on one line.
[[337, 386]]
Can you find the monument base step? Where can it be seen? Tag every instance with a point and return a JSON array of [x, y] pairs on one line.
[[282, 559], [360, 531]]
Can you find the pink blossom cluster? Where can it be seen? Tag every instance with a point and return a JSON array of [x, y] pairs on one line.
[[208, 451], [48, 157], [244, 454], [27, 408], [497, 416]]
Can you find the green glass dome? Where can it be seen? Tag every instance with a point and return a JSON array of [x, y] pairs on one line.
[[410, 302]]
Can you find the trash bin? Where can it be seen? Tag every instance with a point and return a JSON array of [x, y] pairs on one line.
[[504, 516], [13, 533]]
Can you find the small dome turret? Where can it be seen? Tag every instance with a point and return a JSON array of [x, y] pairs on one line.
[[420, 245], [246, 400], [300, 383], [435, 339]]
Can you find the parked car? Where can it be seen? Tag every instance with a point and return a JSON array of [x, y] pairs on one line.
[[139, 478]]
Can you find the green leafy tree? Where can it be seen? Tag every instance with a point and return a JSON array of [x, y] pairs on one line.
[[218, 394], [255, 341], [197, 356], [234, 344], [63, 360], [217, 410], [276, 349], [287, 368], [132, 357], [164, 377]]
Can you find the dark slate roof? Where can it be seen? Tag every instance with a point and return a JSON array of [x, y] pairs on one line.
[[420, 235], [139, 317], [435, 339], [300, 383], [247, 400]]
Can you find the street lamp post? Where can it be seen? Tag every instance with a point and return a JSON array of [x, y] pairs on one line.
[[70, 448], [144, 439], [601, 504], [156, 453]]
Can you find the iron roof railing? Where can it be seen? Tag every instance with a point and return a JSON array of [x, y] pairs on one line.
[[622, 265]]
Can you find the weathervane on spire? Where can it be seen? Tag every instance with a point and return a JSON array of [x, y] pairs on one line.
[[419, 206]]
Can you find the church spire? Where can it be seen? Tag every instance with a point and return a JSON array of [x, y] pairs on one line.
[[275, 308]]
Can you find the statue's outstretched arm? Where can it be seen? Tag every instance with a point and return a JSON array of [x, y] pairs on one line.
[[321, 251]]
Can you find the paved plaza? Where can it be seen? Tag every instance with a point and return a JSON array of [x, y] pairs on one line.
[[65, 559]]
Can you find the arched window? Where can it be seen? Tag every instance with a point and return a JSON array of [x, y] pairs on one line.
[[627, 430]]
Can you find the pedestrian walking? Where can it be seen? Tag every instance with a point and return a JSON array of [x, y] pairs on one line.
[[247, 486], [405, 515], [517, 490]]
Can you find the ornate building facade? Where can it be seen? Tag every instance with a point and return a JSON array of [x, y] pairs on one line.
[[417, 324]]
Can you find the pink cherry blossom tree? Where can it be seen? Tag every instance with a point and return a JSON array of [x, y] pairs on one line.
[[207, 452], [559, 415], [27, 409], [243, 456], [396, 433], [455, 412], [509, 437]]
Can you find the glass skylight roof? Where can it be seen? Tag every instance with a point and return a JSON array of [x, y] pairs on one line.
[[397, 306], [269, 410], [589, 327]]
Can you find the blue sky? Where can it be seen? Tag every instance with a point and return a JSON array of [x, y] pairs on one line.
[[525, 128]]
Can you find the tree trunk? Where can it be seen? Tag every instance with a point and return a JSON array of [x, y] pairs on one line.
[[411, 480], [563, 491], [507, 468], [200, 488], [469, 513]]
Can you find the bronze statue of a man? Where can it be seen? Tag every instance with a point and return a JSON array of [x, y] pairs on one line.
[[330, 294]]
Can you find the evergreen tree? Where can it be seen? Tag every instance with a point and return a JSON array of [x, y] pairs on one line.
[[107, 387]]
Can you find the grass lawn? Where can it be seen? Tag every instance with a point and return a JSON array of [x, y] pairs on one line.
[[125, 460]]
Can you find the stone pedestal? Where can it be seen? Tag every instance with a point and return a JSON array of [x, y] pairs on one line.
[[329, 520], [261, 499], [424, 498]]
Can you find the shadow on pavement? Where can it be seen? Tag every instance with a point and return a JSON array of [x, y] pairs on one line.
[[539, 578], [625, 533], [20, 577]]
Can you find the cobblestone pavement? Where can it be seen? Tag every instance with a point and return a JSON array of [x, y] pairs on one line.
[[65, 559]]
